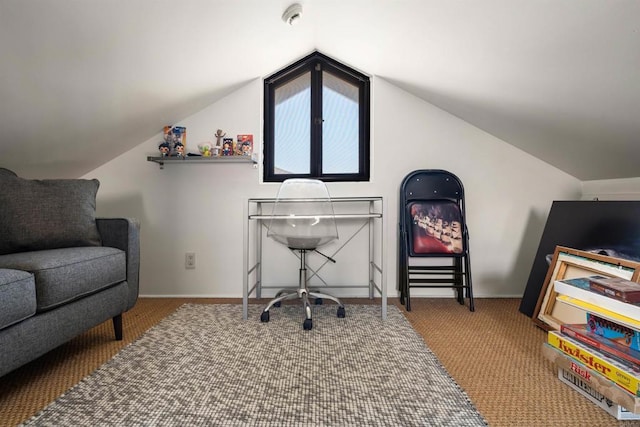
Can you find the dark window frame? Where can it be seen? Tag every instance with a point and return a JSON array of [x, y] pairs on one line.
[[311, 63]]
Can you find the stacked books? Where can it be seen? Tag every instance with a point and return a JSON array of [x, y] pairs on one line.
[[601, 358]]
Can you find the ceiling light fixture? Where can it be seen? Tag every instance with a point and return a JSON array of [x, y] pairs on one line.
[[293, 14]]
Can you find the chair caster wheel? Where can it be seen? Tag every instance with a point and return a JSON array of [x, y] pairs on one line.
[[318, 301], [307, 325], [278, 304], [264, 317], [341, 312]]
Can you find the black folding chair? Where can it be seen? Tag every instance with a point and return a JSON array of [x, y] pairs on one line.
[[432, 225]]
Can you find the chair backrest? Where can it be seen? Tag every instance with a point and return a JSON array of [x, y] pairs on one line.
[[432, 213], [303, 216], [428, 184]]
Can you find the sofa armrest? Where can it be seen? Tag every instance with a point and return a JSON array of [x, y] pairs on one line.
[[124, 234]]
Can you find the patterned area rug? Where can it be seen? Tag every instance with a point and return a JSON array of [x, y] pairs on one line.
[[204, 365]]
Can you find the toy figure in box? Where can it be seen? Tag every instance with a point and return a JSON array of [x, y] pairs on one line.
[[227, 147], [245, 145], [174, 135]]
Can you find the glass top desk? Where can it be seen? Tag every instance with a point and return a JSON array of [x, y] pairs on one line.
[[362, 213]]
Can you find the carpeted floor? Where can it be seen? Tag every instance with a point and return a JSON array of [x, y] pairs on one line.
[[201, 367], [493, 354]]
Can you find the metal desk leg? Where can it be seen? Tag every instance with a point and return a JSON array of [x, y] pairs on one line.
[[383, 268], [245, 259]]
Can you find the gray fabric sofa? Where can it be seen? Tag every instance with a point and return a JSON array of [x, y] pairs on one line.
[[62, 271]]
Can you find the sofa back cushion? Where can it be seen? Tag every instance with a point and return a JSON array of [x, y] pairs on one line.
[[47, 214], [7, 172]]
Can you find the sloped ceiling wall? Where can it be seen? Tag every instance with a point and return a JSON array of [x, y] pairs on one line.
[[83, 82]]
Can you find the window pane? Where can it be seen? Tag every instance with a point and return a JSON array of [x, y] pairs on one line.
[[340, 109], [292, 126]]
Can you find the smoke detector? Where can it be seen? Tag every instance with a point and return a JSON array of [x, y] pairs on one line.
[[293, 14]]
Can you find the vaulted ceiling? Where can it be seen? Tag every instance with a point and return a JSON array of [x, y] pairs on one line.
[[84, 81]]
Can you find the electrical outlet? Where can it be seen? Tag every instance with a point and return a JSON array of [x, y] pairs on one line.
[[190, 260]]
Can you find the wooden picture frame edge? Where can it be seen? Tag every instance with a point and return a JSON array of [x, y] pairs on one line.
[[547, 296]]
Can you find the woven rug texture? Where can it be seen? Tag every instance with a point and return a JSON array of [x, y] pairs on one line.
[[203, 365]]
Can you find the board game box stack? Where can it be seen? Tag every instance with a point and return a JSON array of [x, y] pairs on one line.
[[576, 382], [601, 357]]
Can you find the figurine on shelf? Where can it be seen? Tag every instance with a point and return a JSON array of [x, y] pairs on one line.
[[218, 148], [178, 148], [246, 148], [165, 149], [206, 149]]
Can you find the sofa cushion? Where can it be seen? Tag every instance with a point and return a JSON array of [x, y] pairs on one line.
[[47, 214], [63, 275], [17, 296]]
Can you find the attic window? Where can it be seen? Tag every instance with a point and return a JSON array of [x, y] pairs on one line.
[[316, 122]]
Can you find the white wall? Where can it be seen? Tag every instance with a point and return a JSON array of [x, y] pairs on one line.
[[199, 208], [612, 189]]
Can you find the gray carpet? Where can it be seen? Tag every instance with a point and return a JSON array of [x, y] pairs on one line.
[[204, 365]]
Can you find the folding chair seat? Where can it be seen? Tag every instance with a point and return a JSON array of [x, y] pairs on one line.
[[434, 241]]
